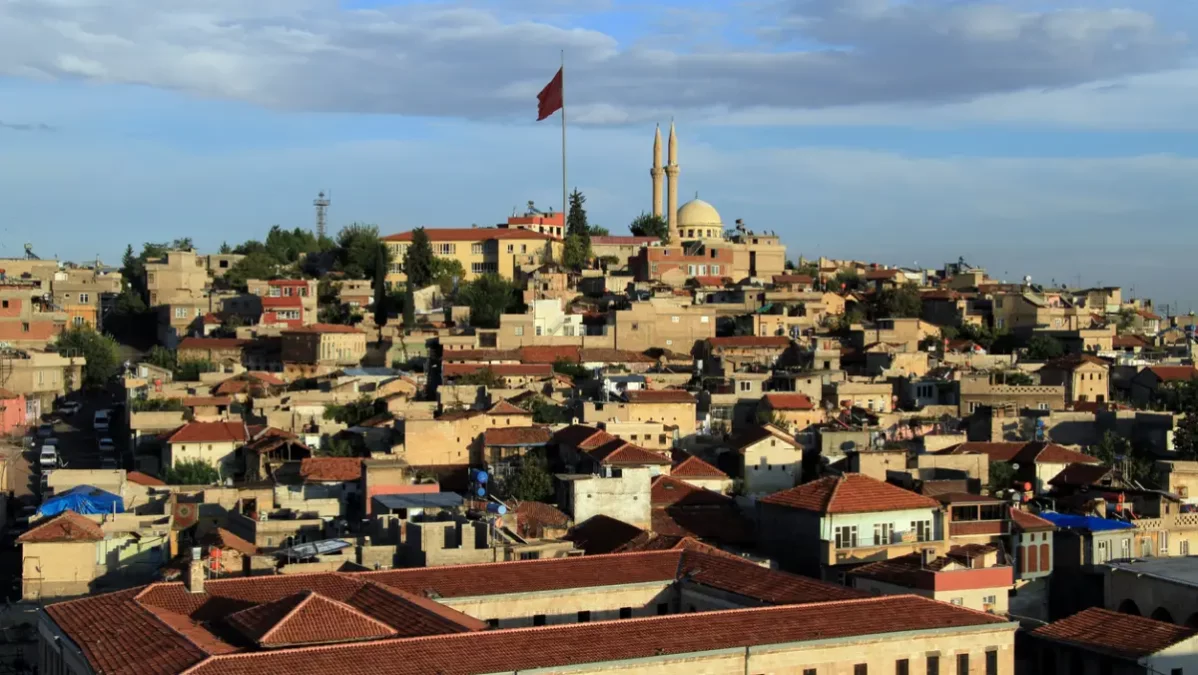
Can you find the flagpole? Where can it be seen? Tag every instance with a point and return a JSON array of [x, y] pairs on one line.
[[565, 207]]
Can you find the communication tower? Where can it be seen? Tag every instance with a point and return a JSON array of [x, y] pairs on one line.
[[322, 208]]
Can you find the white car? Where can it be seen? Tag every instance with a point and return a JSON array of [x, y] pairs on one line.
[[107, 447], [45, 430], [102, 420], [48, 459], [69, 408]]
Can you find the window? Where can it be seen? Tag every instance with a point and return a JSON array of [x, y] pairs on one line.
[[704, 319], [1125, 548], [4, 304], [492, 623], [518, 330], [538, 620], [674, 319], [273, 292], [933, 664], [809, 671], [992, 662], [530, 555], [569, 331], [180, 312], [923, 529], [745, 386], [1043, 406], [1164, 543], [902, 667], [78, 321], [690, 270], [584, 616], [625, 612], [538, 330], [446, 249], [988, 600], [958, 601], [715, 269], [1104, 551], [476, 248], [883, 533], [84, 297], [1185, 547], [962, 664], [524, 248], [663, 608], [511, 248], [846, 536], [861, 669]]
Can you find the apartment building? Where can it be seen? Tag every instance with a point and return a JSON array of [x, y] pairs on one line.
[[284, 302], [180, 275], [1085, 378], [480, 250], [83, 294], [990, 390], [28, 316], [40, 377], [323, 344], [663, 324]]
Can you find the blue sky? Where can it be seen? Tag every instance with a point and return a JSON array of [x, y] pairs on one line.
[[1054, 139]]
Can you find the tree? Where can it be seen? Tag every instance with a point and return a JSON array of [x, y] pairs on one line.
[[182, 244], [1002, 476], [409, 308], [256, 265], [1018, 378], [128, 303], [597, 231], [532, 482], [157, 405], [849, 279], [357, 248], [225, 249], [338, 447], [190, 370], [898, 303], [352, 413], [1116, 451], [419, 260], [289, 246], [162, 357], [447, 273], [101, 351], [192, 472], [576, 220], [1044, 348], [576, 252], [649, 225], [483, 377], [381, 309], [1125, 320], [569, 368], [488, 296]]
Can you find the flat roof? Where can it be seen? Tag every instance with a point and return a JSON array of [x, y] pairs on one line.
[[1180, 570], [420, 500]]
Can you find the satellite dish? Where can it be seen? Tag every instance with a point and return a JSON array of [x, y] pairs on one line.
[[1027, 279]]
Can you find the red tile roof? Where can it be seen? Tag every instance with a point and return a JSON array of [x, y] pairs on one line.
[[850, 493], [1023, 453], [660, 396], [670, 491], [1129, 341], [618, 240], [556, 647], [68, 526], [622, 453], [1115, 633], [211, 343], [689, 466], [582, 437], [1030, 522], [760, 432], [600, 535], [1173, 373], [471, 234], [770, 342], [330, 469], [517, 436], [143, 479], [209, 432], [718, 524], [226, 540], [324, 328], [306, 618], [787, 279], [549, 355], [505, 408], [789, 401], [499, 369], [533, 517]]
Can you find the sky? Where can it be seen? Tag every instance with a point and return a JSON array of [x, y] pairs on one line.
[[1055, 139]]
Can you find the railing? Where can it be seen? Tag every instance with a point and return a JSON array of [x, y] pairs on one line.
[[967, 528]]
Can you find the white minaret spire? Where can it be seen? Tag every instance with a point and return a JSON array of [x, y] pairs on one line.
[[672, 187], [657, 174]]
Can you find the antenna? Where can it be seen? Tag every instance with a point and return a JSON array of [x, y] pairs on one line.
[[322, 208]]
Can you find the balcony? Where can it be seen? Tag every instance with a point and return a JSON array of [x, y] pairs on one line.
[[869, 550], [978, 528], [977, 516]]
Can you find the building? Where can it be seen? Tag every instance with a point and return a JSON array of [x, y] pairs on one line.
[[1038, 462], [970, 576], [28, 318], [663, 324], [479, 250], [224, 353], [179, 275], [766, 458], [692, 612], [213, 443], [41, 377], [552, 223], [854, 518], [1098, 640], [793, 412], [1086, 378], [672, 407], [324, 344], [1147, 383]]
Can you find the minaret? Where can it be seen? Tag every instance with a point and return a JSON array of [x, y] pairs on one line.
[[657, 173], [672, 188]]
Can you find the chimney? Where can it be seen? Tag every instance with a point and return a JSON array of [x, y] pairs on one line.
[[195, 571]]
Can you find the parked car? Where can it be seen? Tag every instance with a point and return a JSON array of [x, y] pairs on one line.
[[48, 458], [102, 419], [45, 430], [51, 441], [107, 447], [69, 408]]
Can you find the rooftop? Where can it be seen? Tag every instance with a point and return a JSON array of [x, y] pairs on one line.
[[470, 234], [1180, 570], [850, 493], [1114, 633], [209, 432], [660, 396]]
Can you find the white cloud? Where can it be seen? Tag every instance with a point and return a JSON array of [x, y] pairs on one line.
[[488, 61]]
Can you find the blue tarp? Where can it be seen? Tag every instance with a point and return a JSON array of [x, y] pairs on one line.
[[1092, 523], [83, 499]]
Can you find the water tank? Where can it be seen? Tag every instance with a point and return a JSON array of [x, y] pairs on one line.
[[493, 507], [481, 477]]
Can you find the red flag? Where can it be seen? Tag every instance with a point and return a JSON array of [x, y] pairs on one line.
[[549, 100]]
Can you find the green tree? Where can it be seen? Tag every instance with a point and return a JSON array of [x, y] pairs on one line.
[[649, 225], [482, 377], [488, 296], [289, 246], [1044, 348], [225, 249], [357, 248], [1116, 451], [532, 482], [162, 357], [576, 252], [447, 273], [381, 308], [848, 279], [1018, 378], [128, 303], [352, 413], [576, 219], [338, 447], [189, 370], [157, 405], [192, 472], [899, 303], [1002, 476], [182, 244], [101, 351], [419, 260], [1125, 320], [597, 231], [256, 265]]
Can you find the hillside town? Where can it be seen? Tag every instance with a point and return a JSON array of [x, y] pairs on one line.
[[543, 445]]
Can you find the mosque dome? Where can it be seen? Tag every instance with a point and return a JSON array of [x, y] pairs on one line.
[[699, 220]]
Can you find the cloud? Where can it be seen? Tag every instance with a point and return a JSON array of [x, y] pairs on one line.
[[475, 62], [35, 126]]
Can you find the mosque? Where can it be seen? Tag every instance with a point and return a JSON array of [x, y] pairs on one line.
[[698, 231]]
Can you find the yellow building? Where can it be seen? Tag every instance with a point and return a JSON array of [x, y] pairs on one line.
[[324, 344], [479, 250]]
